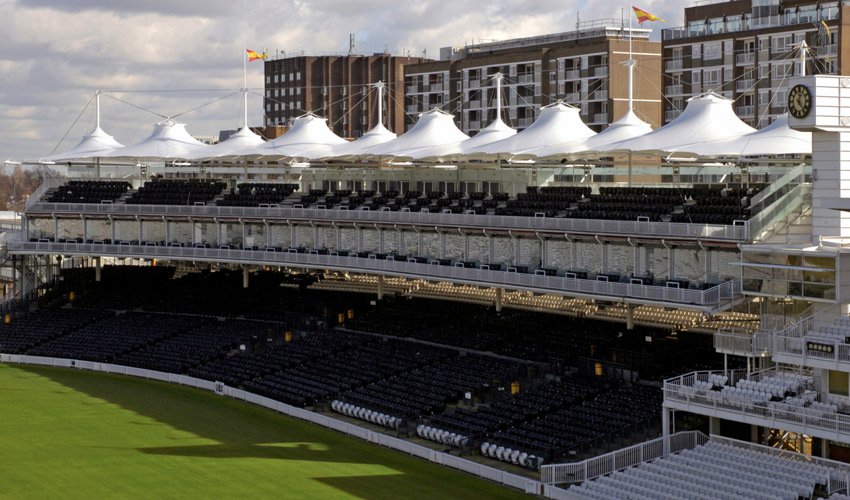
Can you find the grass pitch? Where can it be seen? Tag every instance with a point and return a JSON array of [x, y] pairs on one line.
[[74, 434]]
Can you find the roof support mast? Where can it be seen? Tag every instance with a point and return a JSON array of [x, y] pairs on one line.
[[498, 78], [380, 86], [630, 63], [245, 85]]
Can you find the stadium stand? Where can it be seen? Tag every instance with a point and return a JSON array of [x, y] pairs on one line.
[[713, 470], [176, 192], [76, 191]]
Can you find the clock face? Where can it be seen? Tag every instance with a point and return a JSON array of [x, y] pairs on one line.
[[799, 101]]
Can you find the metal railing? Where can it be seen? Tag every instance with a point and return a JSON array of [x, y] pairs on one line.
[[745, 85], [672, 114], [679, 393], [745, 111], [572, 74], [743, 342], [498, 476], [598, 95], [673, 89], [746, 58], [621, 459], [501, 222], [674, 65], [573, 97], [474, 276]]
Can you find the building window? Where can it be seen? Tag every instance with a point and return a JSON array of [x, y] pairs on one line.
[[711, 77], [711, 51], [839, 383], [695, 51]]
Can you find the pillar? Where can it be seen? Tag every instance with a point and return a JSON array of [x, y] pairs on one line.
[[14, 276], [380, 286], [630, 317], [97, 268], [498, 301], [665, 422], [714, 425], [245, 277]]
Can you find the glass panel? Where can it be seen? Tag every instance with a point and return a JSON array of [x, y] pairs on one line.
[[839, 383]]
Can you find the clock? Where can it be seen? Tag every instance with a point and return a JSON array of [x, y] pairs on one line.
[[799, 101]]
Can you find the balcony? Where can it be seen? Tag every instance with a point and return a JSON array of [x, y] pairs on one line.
[[745, 111], [412, 89], [674, 65], [672, 114], [412, 108], [436, 87], [745, 59], [572, 74], [524, 122], [474, 84], [673, 90], [747, 85], [600, 118], [573, 97], [525, 78], [645, 294], [807, 413], [600, 71], [474, 104], [474, 124], [743, 343], [598, 95], [828, 51]]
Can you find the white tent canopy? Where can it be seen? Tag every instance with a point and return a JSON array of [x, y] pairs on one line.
[[376, 136], [435, 133], [708, 117], [776, 139], [93, 145], [169, 141], [557, 123], [241, 139], [627, 127], [309, 137], [496, 131]]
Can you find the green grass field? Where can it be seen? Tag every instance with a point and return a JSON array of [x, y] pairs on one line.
[[75, 434]]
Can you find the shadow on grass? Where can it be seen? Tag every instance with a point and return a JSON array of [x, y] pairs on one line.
[[242, 430]]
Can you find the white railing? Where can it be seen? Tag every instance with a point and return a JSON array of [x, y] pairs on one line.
[[574, 97], [592, 226], [674, 65], [680, 394], [436, 87], [474, 124], [412, 89], [745, 85], [600, 118], [746, 58], [621, 459], [745, 111], [672, 114], [524, 122], [600, 71], [46, 184], [525, 78], [673, 89], [412, 108], [828, 50], [474, 104], [521, 483], [472, 276], [598, 95], [572, 74], [474, 84], [743, 342]]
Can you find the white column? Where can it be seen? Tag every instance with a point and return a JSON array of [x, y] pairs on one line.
[[830, 180]]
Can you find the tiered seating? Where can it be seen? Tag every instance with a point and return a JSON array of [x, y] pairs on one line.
[[243, 366], [255, 194], [713, 470], [626, 410], [782, 387], [88, 191], [176, 192], [427, 390], [549, 201], [330, 376], [43, 326], [207, 341], [106, 340]]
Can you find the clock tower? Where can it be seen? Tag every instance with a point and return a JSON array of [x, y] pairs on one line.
[[820, 104]]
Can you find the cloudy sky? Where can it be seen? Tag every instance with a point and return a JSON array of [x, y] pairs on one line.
[[171, 56]]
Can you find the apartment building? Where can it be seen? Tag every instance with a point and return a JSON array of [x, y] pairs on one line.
[[747, 50], [585, 67], [336, 87]]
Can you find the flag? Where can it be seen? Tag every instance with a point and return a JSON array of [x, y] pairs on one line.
[[253, 56], [643, 15]]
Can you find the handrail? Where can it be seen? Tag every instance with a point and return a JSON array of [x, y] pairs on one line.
[[779, 209], [720, 232], [621, 459], [475, 276], [791, 175]]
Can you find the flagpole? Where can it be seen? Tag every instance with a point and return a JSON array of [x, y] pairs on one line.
[[245, 84], [631, 62]]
